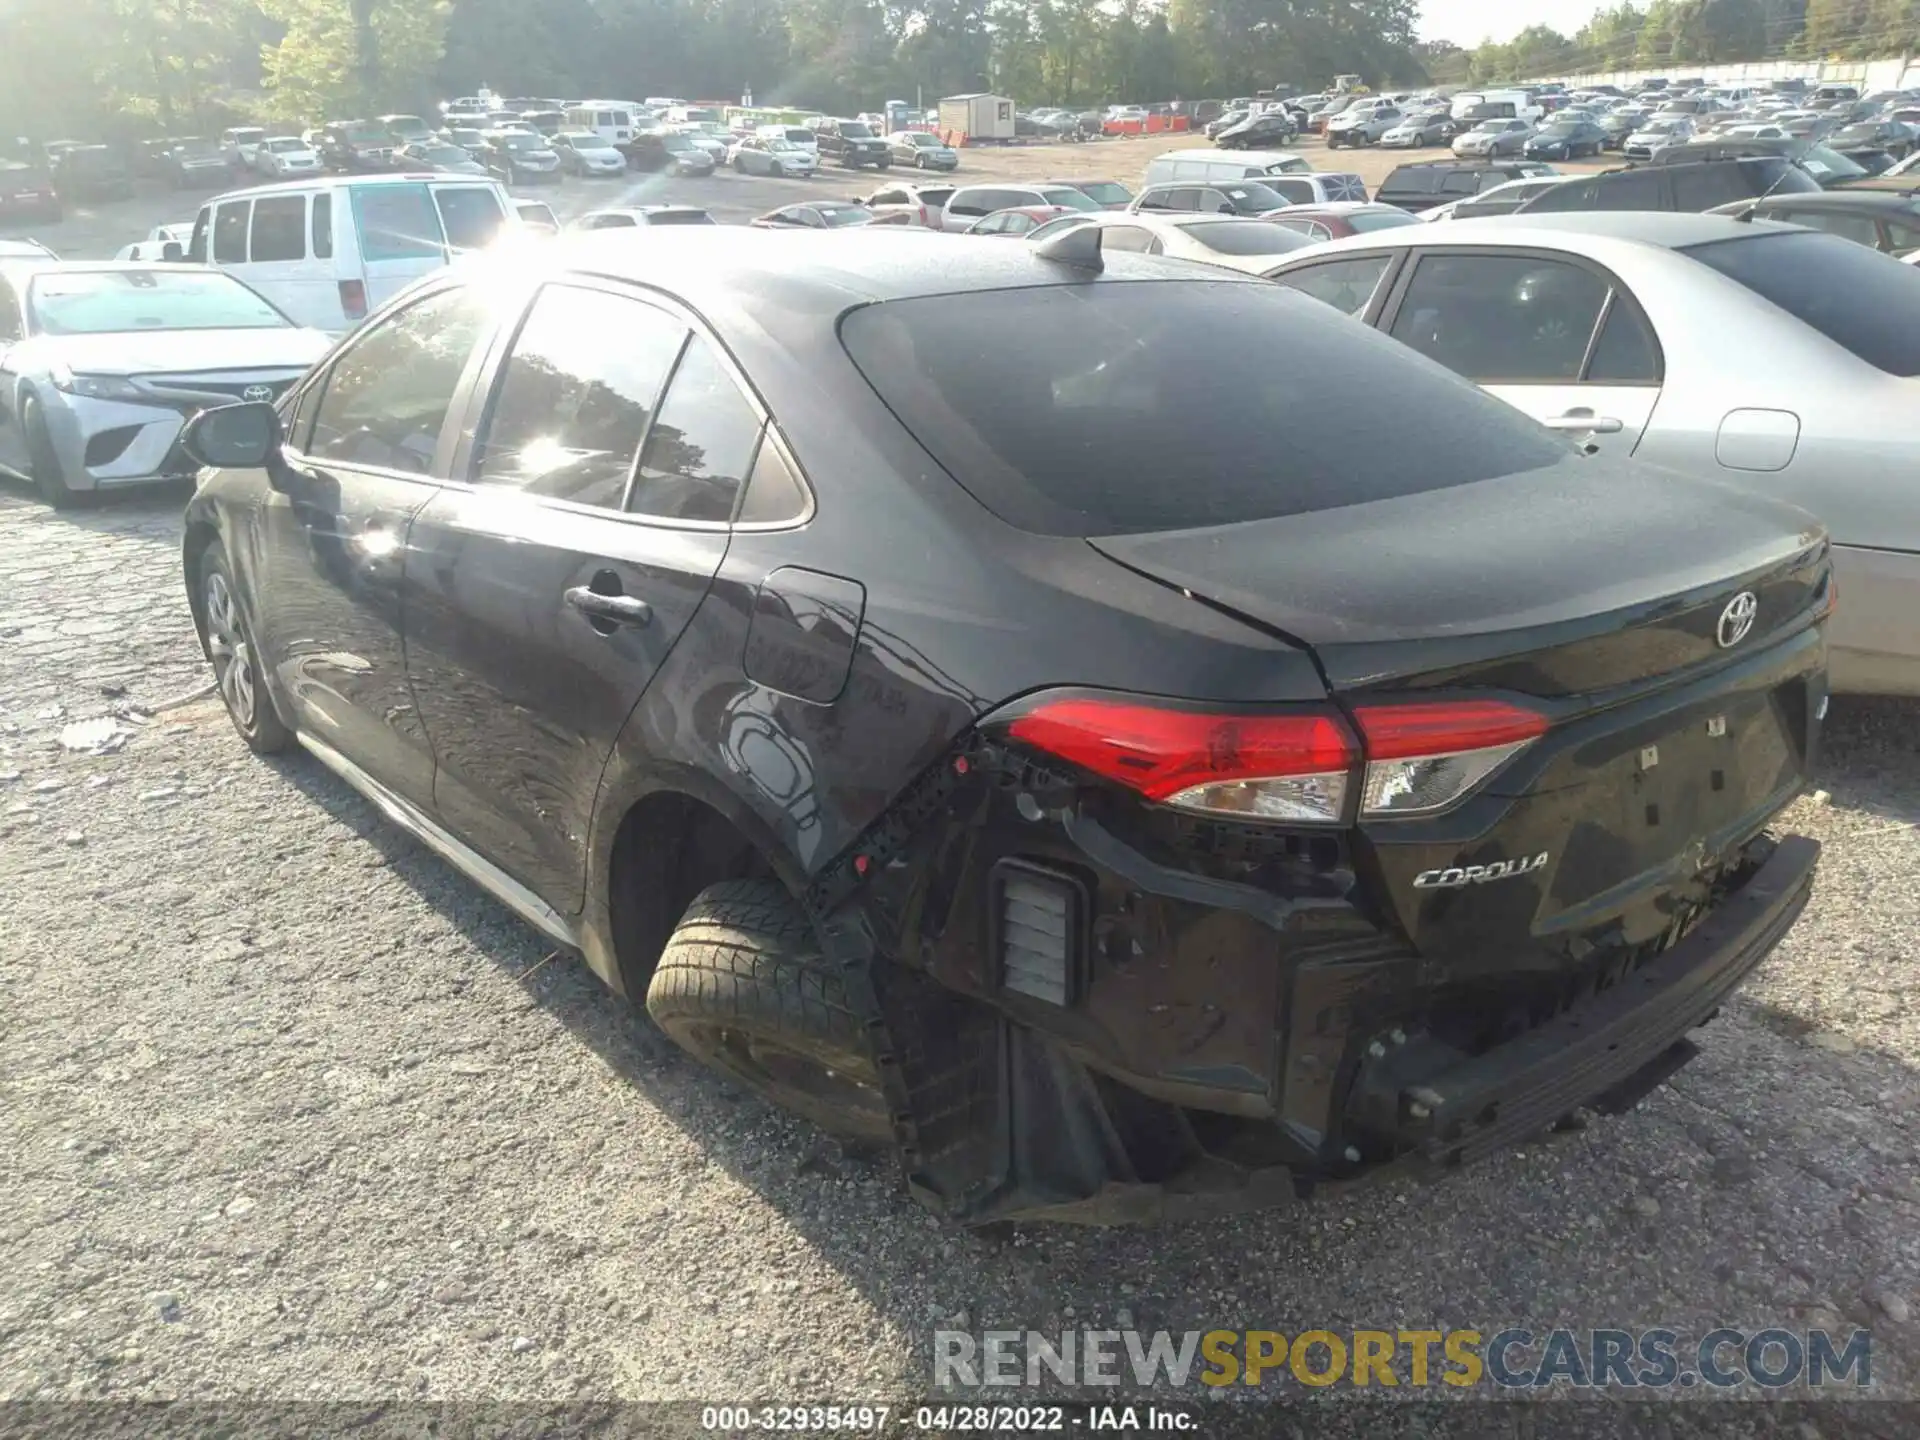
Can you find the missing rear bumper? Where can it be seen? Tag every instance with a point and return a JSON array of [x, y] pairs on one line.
[[1450, 1109]]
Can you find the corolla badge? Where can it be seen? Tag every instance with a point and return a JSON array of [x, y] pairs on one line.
[[1737, 619], [257, 392], [1455, 876]]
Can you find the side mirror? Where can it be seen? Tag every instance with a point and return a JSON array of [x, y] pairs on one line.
[[1226, 209], [243, 436], [171, 252]]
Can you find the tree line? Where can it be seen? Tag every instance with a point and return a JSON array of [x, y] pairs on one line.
[[1667, 34], [120, 68]]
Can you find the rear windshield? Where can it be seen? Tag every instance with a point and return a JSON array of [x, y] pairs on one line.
[[1107, 192], [1126, 407], [1364, 220], [680, 217], [1245, 237], [1863, 301], [1068, 197]]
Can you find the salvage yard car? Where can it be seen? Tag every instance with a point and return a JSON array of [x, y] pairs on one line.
[[850, 686], [102, 362], [1771, 358]]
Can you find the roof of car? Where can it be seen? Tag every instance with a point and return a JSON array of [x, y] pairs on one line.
[[1666, 230], [734, 267], [1904, 200]]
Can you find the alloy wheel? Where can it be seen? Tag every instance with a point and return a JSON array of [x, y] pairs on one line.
[[232, 655]]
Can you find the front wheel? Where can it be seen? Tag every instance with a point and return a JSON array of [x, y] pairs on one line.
[[236, 659], [742, 985], [919, 162]]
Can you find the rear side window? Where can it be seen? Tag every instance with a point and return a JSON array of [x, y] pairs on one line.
[[1147, 406], [700, 448], [397, 222], [280, 227], [1863, 301], [1502, 318]]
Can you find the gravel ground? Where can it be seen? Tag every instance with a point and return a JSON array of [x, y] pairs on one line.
[[291, 1110]]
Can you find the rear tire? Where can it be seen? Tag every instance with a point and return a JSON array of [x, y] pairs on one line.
[[236, 658], [742, 986], [43, 461]]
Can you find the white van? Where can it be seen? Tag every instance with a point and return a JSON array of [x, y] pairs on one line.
[[1525, 105], [329, 250], [612, 120], [1212, 165]]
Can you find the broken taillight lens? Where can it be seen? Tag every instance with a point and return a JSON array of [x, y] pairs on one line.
[[1423, 757], [1290, 766]]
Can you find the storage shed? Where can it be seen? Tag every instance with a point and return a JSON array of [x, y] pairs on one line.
[[976, 119]]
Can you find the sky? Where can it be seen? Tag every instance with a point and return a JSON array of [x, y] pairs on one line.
[[1468, 22]]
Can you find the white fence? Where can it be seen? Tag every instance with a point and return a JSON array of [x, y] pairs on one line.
[[1868, 75]]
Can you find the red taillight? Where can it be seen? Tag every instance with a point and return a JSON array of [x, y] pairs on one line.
[[353, 299], [1399, 732], [1293, 765], [925, 218]]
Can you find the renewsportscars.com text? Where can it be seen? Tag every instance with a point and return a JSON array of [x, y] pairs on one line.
[[1508, 1359]]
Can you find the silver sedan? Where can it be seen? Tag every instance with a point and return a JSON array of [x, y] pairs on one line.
[[1781, 360], [102, 364]]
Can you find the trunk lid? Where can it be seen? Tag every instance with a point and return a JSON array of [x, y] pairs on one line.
[[1602, 605]]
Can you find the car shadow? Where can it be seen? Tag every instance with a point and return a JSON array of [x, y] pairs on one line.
[[1364, 1253]]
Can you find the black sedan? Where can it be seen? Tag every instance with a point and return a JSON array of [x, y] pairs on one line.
[[1566, 140], [807, 631]]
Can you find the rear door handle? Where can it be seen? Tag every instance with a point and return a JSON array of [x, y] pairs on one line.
[[621, 609], [1585, 421]]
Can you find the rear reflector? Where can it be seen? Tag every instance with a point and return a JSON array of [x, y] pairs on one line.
[[1281, 766]]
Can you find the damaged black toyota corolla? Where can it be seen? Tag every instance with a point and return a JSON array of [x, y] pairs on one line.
[[1128, 737]]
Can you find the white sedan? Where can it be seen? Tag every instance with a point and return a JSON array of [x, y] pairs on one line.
[[283, 155], [1232, 242]]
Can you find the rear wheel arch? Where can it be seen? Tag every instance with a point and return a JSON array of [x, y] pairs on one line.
[[670, 845]]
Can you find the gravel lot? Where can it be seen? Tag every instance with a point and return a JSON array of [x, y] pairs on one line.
[[293, 1111]]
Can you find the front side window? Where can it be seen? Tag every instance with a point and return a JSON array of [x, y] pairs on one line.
[[1502, 318], [700, 448], [576, 394], [386, 398], [230, 232]]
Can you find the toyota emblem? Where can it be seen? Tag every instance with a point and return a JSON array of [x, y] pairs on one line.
[[1737, 619], [265, 392]]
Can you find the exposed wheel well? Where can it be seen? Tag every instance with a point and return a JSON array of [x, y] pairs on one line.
[[668, 849], [198, 538]]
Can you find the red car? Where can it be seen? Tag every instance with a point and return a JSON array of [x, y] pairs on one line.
[[1018, 220], [1337, 220]]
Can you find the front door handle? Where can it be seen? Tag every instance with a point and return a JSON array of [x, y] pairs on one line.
[[1585, 422], [620, 609]]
